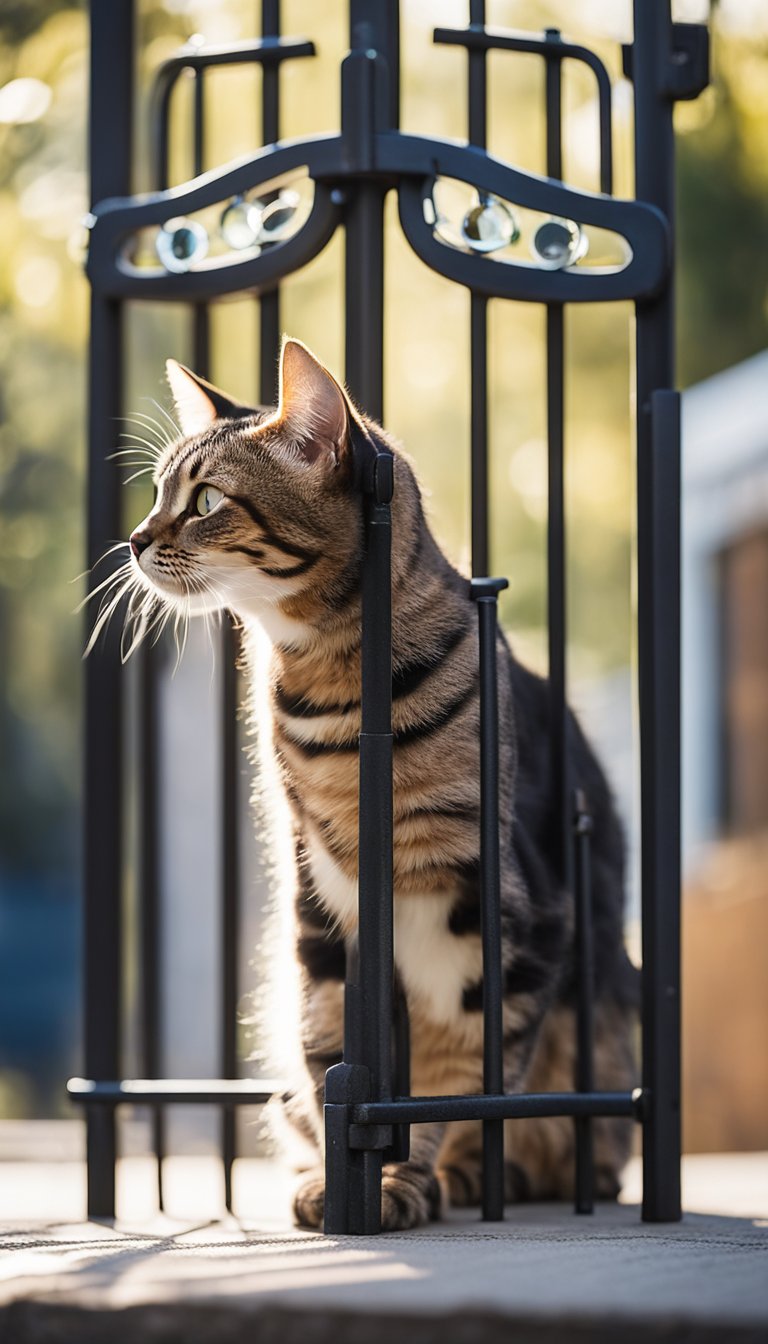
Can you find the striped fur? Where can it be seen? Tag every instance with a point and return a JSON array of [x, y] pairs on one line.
[[283, 550]]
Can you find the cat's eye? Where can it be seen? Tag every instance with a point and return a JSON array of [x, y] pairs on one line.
[[207, 499]]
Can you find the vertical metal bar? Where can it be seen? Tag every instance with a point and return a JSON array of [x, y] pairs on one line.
[[353, 1178], [478, 123], [485, 592], [149, 892], [391, 49], [553, 93], [201, 325], [353, 1198], [478, 326], [269, 344], [103, 782], [401, 1080], [557, 581], [371, 992], [584, 1181], [150, 900], [374, 25], [364, 298], [605, 113], [110, 151], [375, 936], [658, 570], [269, 302], [160, 132], [478, 102], [230, 903], [556, 571]]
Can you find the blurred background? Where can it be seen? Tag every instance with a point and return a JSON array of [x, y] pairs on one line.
[[723, 366]]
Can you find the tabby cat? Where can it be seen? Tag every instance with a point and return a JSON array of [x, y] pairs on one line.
[[256, 512]]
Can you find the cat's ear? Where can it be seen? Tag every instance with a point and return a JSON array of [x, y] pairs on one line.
[[313, 407], [197, 402]]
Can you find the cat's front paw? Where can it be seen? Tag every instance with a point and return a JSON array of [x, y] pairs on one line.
[[410, 1196], [309, 1200]]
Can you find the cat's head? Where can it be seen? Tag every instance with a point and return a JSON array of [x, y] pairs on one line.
[[255, 509]]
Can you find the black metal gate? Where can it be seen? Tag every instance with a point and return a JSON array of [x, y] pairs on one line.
[[368, 1111]]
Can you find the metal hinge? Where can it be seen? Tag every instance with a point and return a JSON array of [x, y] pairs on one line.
[[687, 72]]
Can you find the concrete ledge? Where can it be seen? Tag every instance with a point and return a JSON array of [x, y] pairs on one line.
[[544, 1275], [32, 1323]]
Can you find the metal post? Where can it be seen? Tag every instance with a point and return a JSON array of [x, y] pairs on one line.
[[353, 1184], [230, 893], [478, 126], [149, 888], [485, 594], [556, 569], [110, 150], [401, 1080], [269, 301], [585, 976], [658, 570], [375, 858], [353, 1189], [364, 227]]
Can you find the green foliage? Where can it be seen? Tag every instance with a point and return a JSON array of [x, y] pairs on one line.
[[723, 217], [42, 337]]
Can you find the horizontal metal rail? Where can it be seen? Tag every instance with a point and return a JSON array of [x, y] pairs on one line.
[[181, 1091], [411, 163], [399, 1111], [527, 1105]]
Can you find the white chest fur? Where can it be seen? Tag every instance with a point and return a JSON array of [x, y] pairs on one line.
[[435, 964]]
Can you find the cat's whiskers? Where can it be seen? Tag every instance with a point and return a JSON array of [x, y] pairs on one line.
[[149, 610], [177, 433], [141, 618], [200, 584], [137, 447], [118, 546], [134, 625], [143, 471], [138, 442], [139, 462], [120, 573], [176, 621], [158, 432], [110, 602], [134, 449]]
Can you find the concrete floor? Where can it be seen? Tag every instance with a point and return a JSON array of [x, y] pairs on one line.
[[543, 1274]]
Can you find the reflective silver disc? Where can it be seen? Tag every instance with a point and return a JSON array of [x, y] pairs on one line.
[[278, 217], [180, 243], [558, 243], [489, 225], [241, 223]]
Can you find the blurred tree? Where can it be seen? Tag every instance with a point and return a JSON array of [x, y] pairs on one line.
[[723, 213]]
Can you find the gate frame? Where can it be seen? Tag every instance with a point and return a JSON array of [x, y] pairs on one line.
[[353, 172]]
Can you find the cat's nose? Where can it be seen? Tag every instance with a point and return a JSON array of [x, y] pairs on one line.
[[139, 541]]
